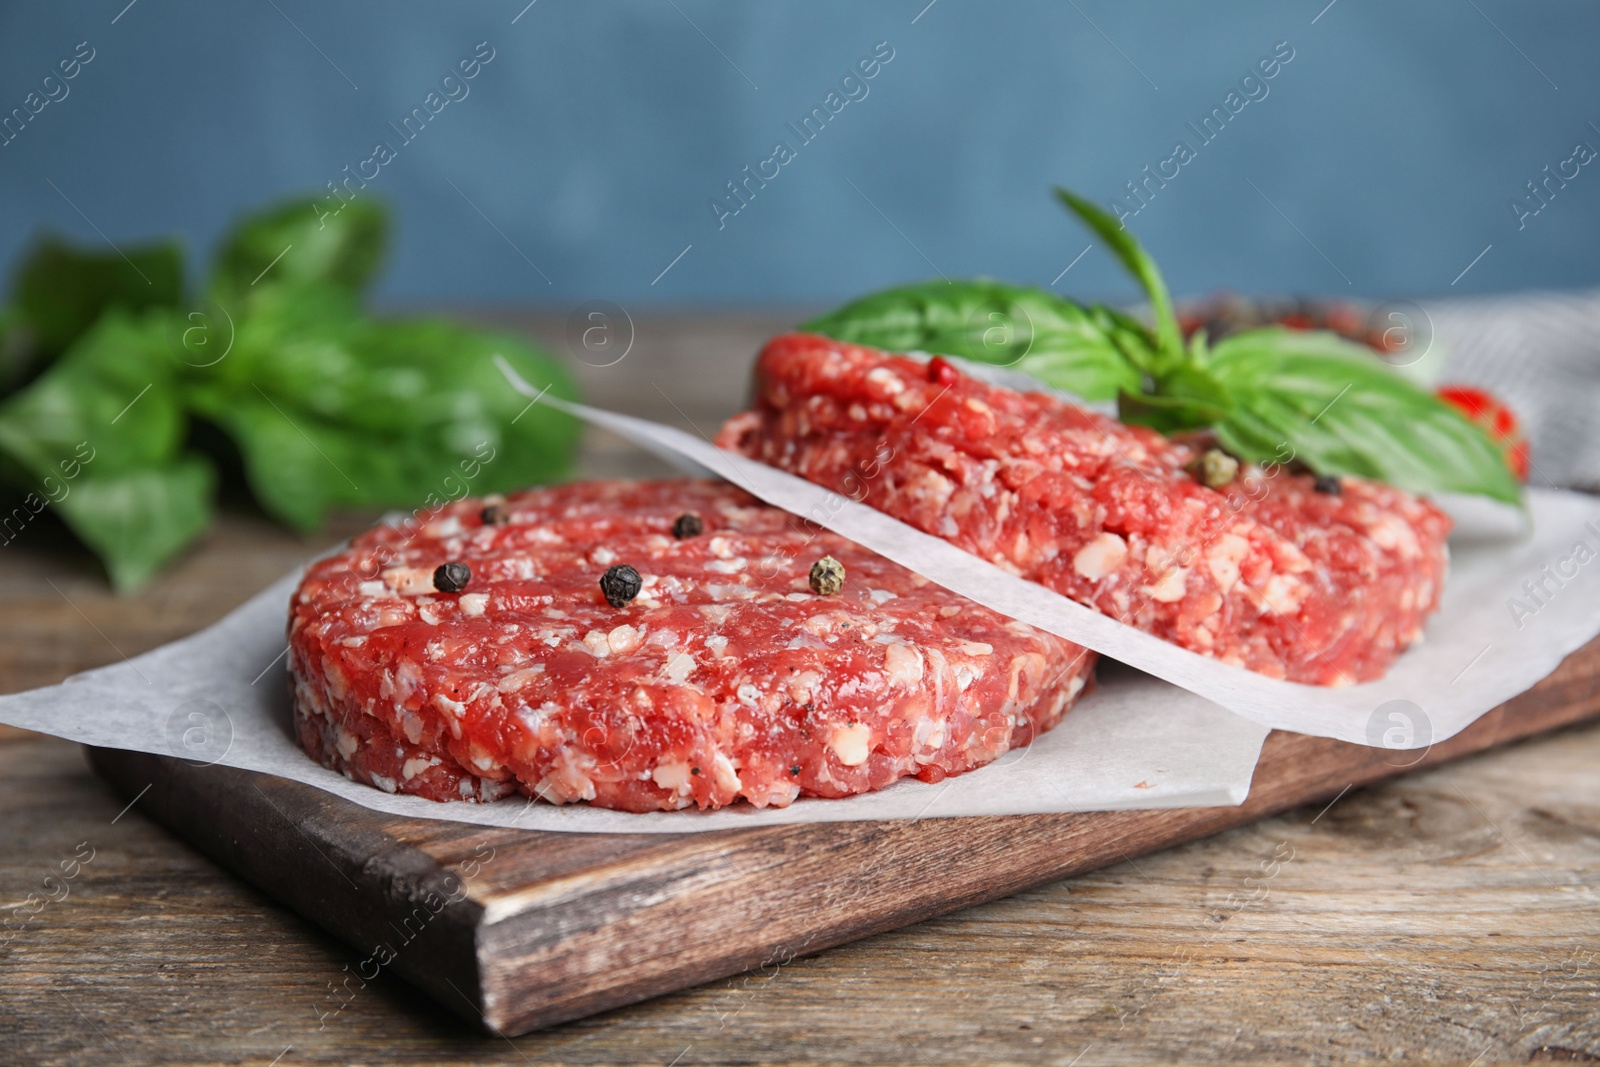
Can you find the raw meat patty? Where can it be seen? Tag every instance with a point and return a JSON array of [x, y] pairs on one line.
[[727, 678], [1269, 574]]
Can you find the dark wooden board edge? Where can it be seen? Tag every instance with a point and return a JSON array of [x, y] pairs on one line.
[[347, 875], [554, 927]]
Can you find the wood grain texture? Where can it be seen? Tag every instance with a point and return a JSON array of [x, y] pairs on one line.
[[1444, 915], [523, 930]]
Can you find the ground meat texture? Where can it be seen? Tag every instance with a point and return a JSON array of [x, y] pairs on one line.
[[725, 679], [1266, 573]]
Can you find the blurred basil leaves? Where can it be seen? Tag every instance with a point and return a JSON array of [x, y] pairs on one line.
[[113, 386]]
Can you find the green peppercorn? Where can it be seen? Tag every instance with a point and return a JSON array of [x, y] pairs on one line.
[[827, 576], [1216, 468], [620, 584], [451, 577]]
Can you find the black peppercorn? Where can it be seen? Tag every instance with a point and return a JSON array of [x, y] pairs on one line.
[[795, 770], [827, 576], [620, 584], [492, 515], [687, 525], [1327, 483], [451, 577]]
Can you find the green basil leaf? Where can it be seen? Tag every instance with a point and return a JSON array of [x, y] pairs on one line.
[[113, 389], [1186, 398], [302, 243], [1081, 350], [19, 355], [139, 519], [1341, 411], [101, 435], [1248, 435], [1169, 338], [329, 409], [63, 289]]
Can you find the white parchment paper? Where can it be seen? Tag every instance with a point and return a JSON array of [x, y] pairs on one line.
[[1522, 596], [222, 697]]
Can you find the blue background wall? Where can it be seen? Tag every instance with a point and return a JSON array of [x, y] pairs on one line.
[[1383, 158]]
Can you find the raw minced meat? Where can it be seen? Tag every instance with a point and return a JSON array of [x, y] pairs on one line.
[[1266, 573], [725, 678]]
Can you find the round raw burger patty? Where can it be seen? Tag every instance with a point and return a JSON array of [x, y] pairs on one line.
[[726, 678], [1268, 573]]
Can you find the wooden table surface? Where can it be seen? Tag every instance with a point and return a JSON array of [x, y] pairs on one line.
[[1450, 915]]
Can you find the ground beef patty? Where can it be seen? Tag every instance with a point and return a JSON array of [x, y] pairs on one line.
[[727, 677], [1267, 573]]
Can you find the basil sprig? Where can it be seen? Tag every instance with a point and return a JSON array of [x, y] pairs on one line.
[[1271, 395]]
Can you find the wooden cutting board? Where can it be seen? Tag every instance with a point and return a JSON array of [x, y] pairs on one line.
[[520, 929]]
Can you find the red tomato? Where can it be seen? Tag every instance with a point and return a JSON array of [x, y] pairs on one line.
[[1497, 420]]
